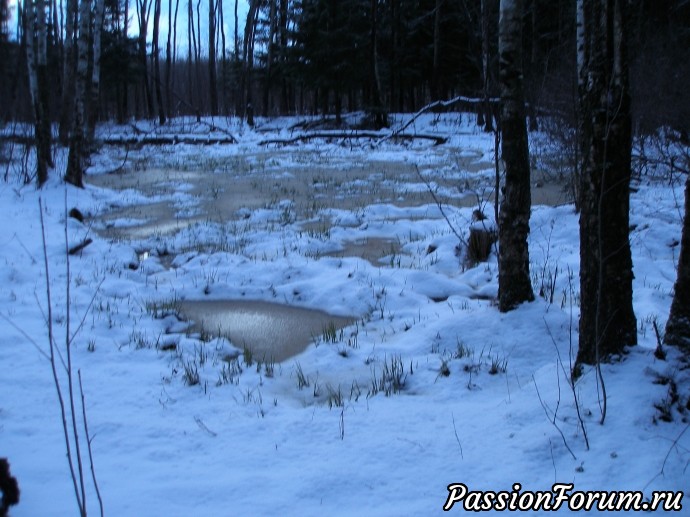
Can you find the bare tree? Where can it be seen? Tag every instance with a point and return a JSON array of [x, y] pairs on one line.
[[172, 30], [485, 117], [212, 79], [435, 73], [69, 69], [35, 36], [96, 70], [607, 320], [248, 58], [678, 325], [514, 283], [77, 148], [155, 57], [143, 13]]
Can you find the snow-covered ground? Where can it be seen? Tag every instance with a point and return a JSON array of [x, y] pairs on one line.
[[429, 386]]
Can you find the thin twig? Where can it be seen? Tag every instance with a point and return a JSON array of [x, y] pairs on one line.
[[70, 381], [439, 205], [56, 379], [457, 438], [88, 444], [432, 106], [553, 421]]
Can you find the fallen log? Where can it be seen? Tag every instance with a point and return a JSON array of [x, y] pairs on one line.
[[165, 140], [437, 139], [78, 247]]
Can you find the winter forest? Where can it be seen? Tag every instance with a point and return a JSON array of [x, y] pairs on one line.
[[321, 257]]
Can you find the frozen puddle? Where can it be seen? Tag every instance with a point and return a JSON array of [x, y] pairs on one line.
[[377, 251], [271, 331]]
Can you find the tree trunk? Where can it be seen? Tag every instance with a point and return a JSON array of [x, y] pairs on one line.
[[172, 29], [514, 282], [144, 9], [270, 56], [156, 62], [248, 49], [435, 72], [96, 71], [77, 148], [213, 81], [190, 28], [36, 56], [45, 138], [487, 119], [607, 320], [69, 69], [380, 116], [678, 325]]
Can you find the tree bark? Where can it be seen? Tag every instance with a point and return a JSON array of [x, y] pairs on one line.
[[270, 56], [435, 72], [156, 62], [77, 151], [487, 117], [678, 325], [69, 68], [212, 79], [379, 112], [607, 320], [144, 9], [96, 71], [190, 28], [514, 282], [36, 57], [248, 52]]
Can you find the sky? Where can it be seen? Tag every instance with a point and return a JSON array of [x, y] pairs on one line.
[[228, 10]]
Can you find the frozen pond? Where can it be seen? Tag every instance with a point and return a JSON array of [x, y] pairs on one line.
[[295, 194], [273, 332]]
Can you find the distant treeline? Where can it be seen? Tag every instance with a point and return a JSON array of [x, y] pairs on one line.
[[331, 56]]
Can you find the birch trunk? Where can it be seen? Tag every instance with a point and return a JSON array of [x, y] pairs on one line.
[[77, 150], [607, 320], [37, 62], [514, 282]]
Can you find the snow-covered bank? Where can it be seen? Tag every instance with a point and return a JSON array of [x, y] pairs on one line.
[[475, 397]]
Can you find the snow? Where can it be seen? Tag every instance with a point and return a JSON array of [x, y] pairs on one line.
[[254, 443]]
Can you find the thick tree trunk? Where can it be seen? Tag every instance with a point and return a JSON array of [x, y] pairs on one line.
[[36, 57], [77, 148], [678, 325], [607, 320], [514, 283]]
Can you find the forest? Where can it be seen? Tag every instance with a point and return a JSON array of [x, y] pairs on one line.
[[323, 56]]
